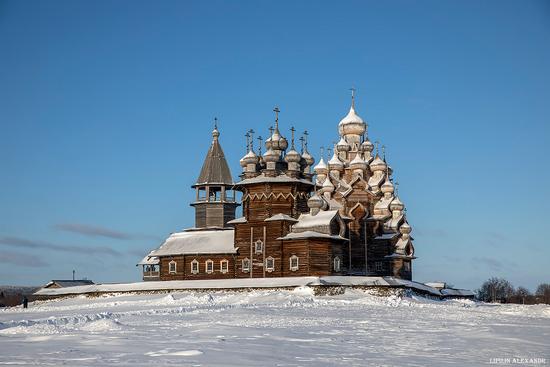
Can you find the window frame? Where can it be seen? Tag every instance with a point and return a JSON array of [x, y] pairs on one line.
[[222, 262], [247, 268], [379, 266], [175, 264], [338, 261], [195, 262], [272, 267], [209, 262], [259, 247], [297, 267]]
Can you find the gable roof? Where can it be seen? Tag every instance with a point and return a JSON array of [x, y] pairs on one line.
[[215, 169], [197, 242], [69, 283]]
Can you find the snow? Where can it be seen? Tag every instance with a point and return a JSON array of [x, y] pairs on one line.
[[197, 242], [281, 178], [280, 216], [310, 234], [323, 218], [270, 327]]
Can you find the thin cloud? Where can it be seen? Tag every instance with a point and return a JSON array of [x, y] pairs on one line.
[[493, 264], [16, 258], [26, 243], [96, 231]]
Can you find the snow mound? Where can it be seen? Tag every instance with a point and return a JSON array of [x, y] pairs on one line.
[[102, 325]]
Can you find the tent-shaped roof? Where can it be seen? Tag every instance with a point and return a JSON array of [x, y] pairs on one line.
[[215, 169]]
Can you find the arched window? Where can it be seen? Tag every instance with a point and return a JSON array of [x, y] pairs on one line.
[[246, 265], [209, 266], [194, 267], [337, 264], [270, 264], [258, 247], [172, 267], [294, 263], [224, 266]]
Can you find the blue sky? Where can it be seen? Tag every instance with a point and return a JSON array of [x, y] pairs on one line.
[[106, 110]]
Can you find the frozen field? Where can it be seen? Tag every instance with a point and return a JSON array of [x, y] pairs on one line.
[[270, 328]]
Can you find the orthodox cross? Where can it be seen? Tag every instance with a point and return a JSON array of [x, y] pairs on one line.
[[276, 110], [305, 139], [271, 131], [322, 152], [396, 184], [302, 142], [329, 151], [216, 123], [251, 132], [377, 143], [247, 140], [352, 96], [260, 140], [384, 152]]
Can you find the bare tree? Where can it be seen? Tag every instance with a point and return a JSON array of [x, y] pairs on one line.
[[543, 293], [495, 290]]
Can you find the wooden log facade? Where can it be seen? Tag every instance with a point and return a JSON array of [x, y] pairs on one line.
[[349, 222]]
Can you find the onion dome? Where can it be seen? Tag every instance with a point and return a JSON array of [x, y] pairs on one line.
[[387, 186], [358, 162], [378, 164], [343, 145], [396, 204], [215, 132], [308, 158], [327, 186], [335, 163], [315, 202], [321, 167], [367, 146], [293, 156], [276, 141], [242, 162], [352, 123], [405, 228], [250, 158], [271, 156]]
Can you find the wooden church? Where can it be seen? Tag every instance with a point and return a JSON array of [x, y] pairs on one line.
[[341, 217]]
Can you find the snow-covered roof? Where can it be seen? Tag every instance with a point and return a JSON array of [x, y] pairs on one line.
[[280, 216], [149, 260], [281, 178], [69, 283], [197, 242], [237, 220], [310, 234], [323, 218]]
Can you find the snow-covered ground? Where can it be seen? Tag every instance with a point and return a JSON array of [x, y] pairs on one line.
[[270, 328]]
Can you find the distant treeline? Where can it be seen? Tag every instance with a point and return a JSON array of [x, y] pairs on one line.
[[13, 295], [502, 291]]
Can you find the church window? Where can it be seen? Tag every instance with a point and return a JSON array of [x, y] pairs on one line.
[[294, 264], [246, 265], [258, 247], [407, 266], [172, 267], [379, 266], [337, 264], [209, 266], [194, 267], [224, 266], [270, 264]]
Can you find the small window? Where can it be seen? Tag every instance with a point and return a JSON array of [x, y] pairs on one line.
[[246, 265], [270, 264], [259, 247], [337, 264], [209, 266], [379, 266], [224, 266], [407, 266], [294, 264], [194, 267], [172, 267]]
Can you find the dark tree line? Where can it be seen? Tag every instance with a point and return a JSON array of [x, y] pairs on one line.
[[502, 291]]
